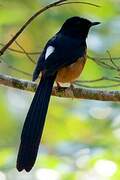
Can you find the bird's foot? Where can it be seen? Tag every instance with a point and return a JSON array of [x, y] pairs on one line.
[[71, 86], [58, 85]]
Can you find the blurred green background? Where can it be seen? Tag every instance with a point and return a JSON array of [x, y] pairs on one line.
[[81, 139]]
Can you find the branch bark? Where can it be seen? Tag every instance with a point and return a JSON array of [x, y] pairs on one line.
[[65, 92]]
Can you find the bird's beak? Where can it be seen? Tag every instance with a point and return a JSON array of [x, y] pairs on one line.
[[95, 23]]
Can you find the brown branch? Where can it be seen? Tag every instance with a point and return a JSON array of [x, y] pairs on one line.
[[17, 83], [66, 92]]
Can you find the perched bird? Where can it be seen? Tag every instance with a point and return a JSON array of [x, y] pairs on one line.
[[62, 60]]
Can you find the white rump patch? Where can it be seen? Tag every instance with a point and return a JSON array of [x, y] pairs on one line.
[[49, 51]]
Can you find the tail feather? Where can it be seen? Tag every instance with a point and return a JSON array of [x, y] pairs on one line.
[[34, 123]]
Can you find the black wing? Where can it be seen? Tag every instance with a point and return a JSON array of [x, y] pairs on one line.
[[66, 51]]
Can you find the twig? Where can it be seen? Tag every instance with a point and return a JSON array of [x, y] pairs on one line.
[[90, 81], [21, 52], [28, 56], [103, 64], [117, 77], [114, 79], [80, 93], [102, 58], [78, 2], [13, 68], [105, 86], [114, 64]]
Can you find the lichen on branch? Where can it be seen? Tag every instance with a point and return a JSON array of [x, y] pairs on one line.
[[65, 92]]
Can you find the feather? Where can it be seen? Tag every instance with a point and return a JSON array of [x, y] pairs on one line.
[[49, 51], [34, 123]]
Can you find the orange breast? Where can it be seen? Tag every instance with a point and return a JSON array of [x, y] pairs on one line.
[[70, 73]]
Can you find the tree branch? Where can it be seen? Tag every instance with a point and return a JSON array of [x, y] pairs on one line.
[[66, 92]]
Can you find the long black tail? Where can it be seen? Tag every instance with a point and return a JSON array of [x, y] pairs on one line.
[[34, 123]]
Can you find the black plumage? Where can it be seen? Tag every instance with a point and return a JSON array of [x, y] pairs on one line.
[[69, 44]]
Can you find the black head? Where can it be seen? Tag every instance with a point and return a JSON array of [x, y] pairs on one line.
[[77, 26]]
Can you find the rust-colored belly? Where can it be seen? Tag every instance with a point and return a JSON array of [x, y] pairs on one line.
[[70, 73]]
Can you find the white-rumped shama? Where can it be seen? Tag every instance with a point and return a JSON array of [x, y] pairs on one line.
[[62, 60]]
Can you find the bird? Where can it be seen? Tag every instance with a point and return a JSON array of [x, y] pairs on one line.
[[62, 60]]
